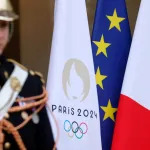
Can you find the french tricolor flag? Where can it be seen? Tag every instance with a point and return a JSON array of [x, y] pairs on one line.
[[132, 130]]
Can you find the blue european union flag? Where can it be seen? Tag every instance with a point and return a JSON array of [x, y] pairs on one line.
[[111, 41]]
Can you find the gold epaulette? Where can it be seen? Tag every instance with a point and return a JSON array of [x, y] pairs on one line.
[[15, 62], [41, 76], [30, 71], [38, 74]]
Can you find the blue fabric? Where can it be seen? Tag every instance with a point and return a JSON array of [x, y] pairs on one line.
[[112, 66]]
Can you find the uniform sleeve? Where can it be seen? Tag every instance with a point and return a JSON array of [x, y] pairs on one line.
[[44, 136]]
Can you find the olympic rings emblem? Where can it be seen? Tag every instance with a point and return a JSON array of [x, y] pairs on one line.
[[75, 129]]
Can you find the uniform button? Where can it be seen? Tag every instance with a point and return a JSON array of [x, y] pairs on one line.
[[7, 145], [35, 118], [6, 116], [6, 74], [24, 115]]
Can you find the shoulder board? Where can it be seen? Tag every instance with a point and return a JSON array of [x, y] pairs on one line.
[[30, 71], [41, 76], [38, 74], [15, 62]]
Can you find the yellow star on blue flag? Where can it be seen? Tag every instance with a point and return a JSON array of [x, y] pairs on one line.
[[115, 20], [109, 111], [111, 39], [102, 46]]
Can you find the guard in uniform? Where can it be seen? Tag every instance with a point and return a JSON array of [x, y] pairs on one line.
[[24, 123]]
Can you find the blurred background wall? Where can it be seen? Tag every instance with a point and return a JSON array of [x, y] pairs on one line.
[[33, 32], [36, 27]]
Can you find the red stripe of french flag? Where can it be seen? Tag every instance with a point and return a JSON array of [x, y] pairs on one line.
[[132, 130]]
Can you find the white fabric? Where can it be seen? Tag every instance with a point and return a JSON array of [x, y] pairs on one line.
[[6, 18], [137, 78], [67, 81], [5, 5], [7, 91]]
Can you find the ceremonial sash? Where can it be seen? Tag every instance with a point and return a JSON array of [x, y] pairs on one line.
[[11, 89]]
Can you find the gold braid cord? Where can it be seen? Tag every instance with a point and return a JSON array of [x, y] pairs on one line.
[[39, 102]]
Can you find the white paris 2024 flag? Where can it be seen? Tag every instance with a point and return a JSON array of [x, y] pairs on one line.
[[71, 79]]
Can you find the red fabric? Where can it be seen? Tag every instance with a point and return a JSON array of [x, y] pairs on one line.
[[132, 130]]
